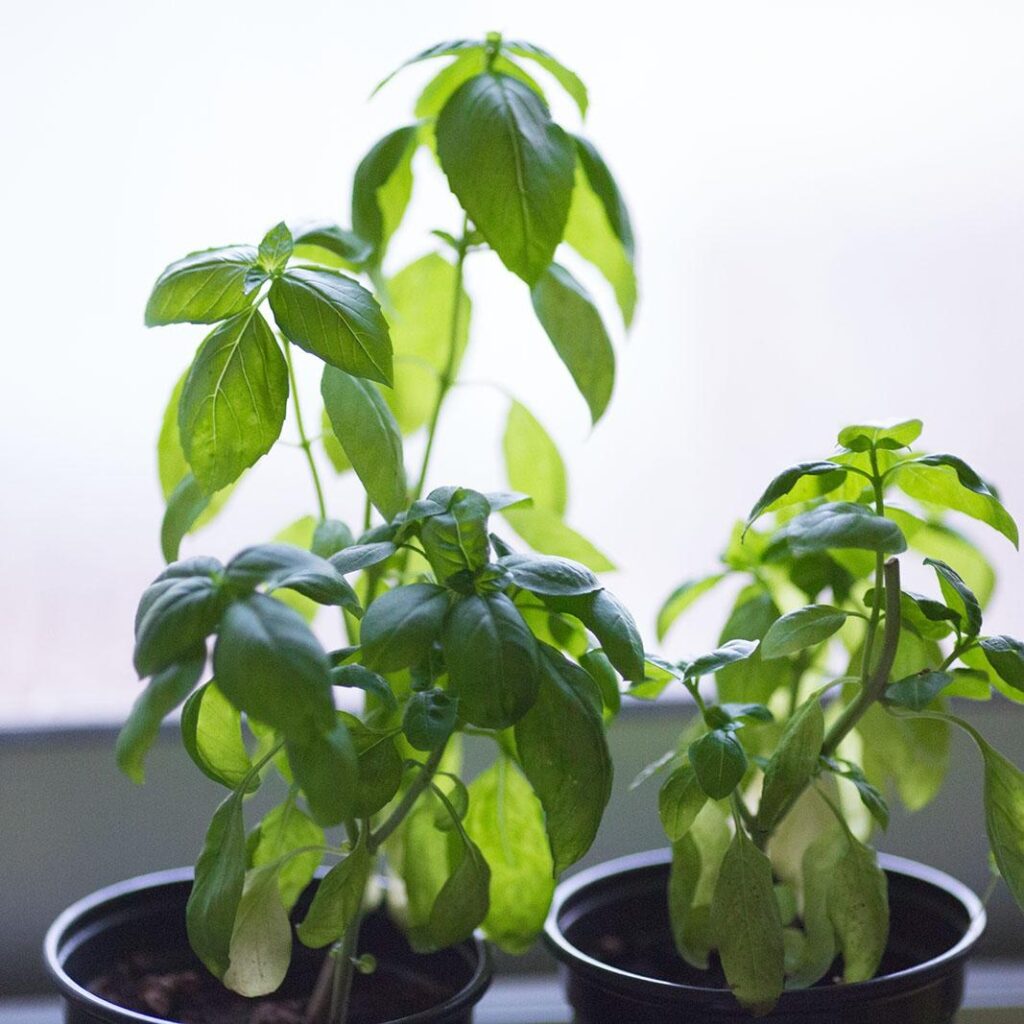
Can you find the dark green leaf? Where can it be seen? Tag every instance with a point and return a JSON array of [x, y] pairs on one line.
[[202, 288], [325, 766], [382, 187], [429, 719], [803, 628], [924, 616], [269, 665], [456, 540], [681, 598], [287, 567], [187, 502], [919, 690], [325, 242], [1006, 656], [166, 690], [550, 576], [888, 438], [331, 536], [361, 678], [261, 940], [338, 899], [234, 400], [380, 767], [567, 79], [179, 614], [400, 626], [958, 596], [211, 730], [574, 325], [680, 800], [794, 761], [511, 168], [783, 484], [728, 654], [858, 907], [753, 679], [601, 670], [448, 48], [334, 318], [719, 762], [748, 712], [492, 661], [362, 556], [276, 248], [284, 831], [563, 751], [839, 524]]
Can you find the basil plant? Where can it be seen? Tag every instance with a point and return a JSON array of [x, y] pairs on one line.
[[449, 629], [831, 688]]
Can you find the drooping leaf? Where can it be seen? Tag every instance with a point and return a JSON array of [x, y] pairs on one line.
[[400, 626], [326, 767], [449, 48], [1006, 656], [719, 762], [382, 187], [361, 678], [261, 940], [186, 503], [858, 907], [839, 524], [958, 596], [367, 431], [824, 477], [794, 761], [681, 598], [609, 620], [862, 438], [283, 831], [728, 653], [802, 628], [211, 731], [380, 767], [680, 800], [202, 288], [290, 567], [462, 904], [175, 615], [338, 899], [919, 690], [601, 670]]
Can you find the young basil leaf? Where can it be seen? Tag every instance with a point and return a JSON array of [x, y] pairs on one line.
[[361, 678], [749, 712], [260, 950], [283, 831], [858, 907], [166, 690], [919, 690], [233, 401], [680, 800], [803, 628], [838, 524], [511, 168], [1006, 656], [869, 795], [276, 248], [752, 679], [382, 187], [574, 325], [380, 767], [400, 626], [506, 821], [549, 575], [887, 438], [563, 751], [922, 615], [613, 626], [729, 653], [719, 762], [958, 596], [179, 614], [747, 926], [492, 661], [324, 242], [331, 536], [948, 482], [217, 886], [187, 502], [567, 79], [338, 899], [202, 288], [288, 567], [449, 48], [600, 669], [429, 719], [794, 761], [820, 949], [269, 665], [325, 766], [334, 318], [681, 598], [362, 556], [456, 540], [532, 461], [211, 730], [832, 473]]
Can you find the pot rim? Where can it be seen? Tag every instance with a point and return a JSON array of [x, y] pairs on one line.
[[559, 945], [467, 996]]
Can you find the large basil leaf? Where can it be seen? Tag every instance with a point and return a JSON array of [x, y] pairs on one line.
[[574, 325], [858, 907], [260, 950], [492, 661], [269, 665], [839, 524], [334, 318], [382, 187], [211, 730], [400, 626], [175, 615], [367, 431], [202, 288], [818, 478], [289, 567], [511, 168], [551, 576], [563, 751], [338, 899], [233, 401], [283, 831], [325, 766], [802, 628]]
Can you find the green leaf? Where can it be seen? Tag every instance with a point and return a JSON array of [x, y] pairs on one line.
[[1006, 656], [601, 670], [532, 462], [361, 678], [599, 229], [839, 524], [276, 248], [261, 941], [545, 531], [888, 438], [511, 168], [728, 654], [549, 575], [1004, 817], [338, 899], [449, 48], [680, 800], [719, 762], [202, 288], [324, 242], [284, 831], [362, 556], [179, 614], [948, 482], [331, 536], [563, 752], [325, 766], [187, 502], [958, 596], [747, 926], [794, 761], [233, 401], [420, 315], [429, 719], [936, 540], [919, 690], [567, 79], [605, 617], [819, 478], [401, 625], [870, 797], [269, 665], [455, 540], [803, 628], [211, 730], [334, 318], [380, 767], [506, 821], [367, 431], [467, 65], [492, 661], [858, 907], [752, 679], [572, 322], [681, 598], [288, 567], [217, 886], [820, 949], [382, 187], [167, 689]]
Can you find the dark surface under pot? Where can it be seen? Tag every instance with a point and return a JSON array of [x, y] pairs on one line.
[[609, 927], [142, 921]]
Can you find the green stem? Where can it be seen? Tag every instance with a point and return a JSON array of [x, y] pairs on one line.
[[304, 443], [344, 972], [422, 782]]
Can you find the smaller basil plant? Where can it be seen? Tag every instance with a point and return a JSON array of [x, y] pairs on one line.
[[831, 695]]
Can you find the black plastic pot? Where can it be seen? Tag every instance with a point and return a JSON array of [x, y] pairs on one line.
[[609, 927], [146, 916]]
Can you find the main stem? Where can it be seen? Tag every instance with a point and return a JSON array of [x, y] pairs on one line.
[[304, 442]]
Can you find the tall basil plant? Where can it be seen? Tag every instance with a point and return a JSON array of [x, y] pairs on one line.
[[450, 629], [832, 683]]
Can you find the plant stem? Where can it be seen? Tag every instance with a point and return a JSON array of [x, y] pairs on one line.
[[344, 972], [304, 443], [412, 794]]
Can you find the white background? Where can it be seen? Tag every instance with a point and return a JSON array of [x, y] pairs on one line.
[[828, 201]]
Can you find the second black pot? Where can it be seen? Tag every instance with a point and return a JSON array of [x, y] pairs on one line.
[[145, 918], [609, 927]]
